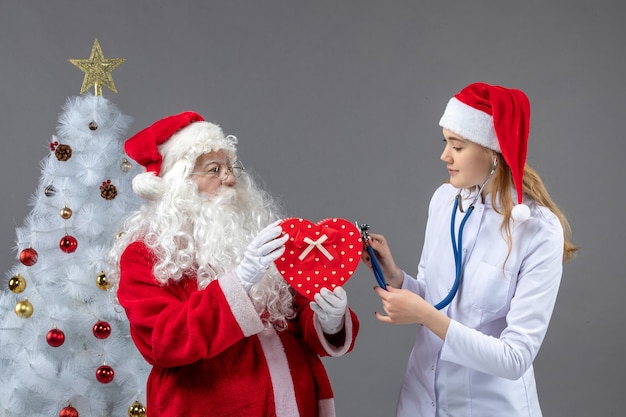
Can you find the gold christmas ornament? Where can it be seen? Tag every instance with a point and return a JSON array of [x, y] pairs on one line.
[[102, 282], [126, 166], [17, 283], [24, 309], [66, 212], [137, 409], [97, 70]]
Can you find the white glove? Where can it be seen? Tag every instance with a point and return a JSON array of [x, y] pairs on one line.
[[330, 307], [264, 249]]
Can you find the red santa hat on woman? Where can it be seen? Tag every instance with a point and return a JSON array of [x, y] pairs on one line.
[[497, 118], [166, 142]]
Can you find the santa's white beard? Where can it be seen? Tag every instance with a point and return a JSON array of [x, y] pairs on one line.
[[220, 229]]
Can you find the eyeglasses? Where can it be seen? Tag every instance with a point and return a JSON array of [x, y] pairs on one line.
[[222, 171]]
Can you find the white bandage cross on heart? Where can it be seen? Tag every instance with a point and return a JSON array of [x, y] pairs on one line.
[[315, 244]]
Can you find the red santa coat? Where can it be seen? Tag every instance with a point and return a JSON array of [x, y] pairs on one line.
[[211, 354]]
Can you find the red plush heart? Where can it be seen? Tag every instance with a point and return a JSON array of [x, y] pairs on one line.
[[321, 255]]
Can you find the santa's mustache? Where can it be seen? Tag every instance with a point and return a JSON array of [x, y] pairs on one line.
[[225, 194]]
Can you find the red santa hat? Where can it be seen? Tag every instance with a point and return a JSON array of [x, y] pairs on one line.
[[162, 144], [497, 118]]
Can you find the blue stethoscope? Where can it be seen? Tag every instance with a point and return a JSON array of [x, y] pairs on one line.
[[378, 273], [457, 243]]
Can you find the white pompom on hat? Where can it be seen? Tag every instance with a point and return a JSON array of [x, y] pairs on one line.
[[497, 118], [167, 141]]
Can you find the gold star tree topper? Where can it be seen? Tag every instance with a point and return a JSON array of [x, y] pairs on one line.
[[97, 70]]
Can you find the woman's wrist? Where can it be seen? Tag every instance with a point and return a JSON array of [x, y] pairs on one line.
[[396, 278], [437, 322]]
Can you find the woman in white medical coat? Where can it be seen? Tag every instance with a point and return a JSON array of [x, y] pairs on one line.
[[473, 356]]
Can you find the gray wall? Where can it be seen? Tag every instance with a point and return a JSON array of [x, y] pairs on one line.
[[336, 105]]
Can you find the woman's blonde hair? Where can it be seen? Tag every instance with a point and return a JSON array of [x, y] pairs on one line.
[[533, 186]]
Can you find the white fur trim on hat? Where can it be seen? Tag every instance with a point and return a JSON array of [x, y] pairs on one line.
[[149, 186], [520, 213], [470, 123], [194, 140]]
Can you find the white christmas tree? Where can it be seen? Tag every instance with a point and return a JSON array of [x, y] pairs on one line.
[[65, 346]]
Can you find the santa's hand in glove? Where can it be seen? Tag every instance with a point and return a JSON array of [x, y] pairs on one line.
[[330, 308], [264, 249]]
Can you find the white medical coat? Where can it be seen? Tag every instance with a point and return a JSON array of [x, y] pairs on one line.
[[499, 316]]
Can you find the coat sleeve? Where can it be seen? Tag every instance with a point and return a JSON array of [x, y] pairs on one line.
[[322, 344], [172, 326], [512, 353]]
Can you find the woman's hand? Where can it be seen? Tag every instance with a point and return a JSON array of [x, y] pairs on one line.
[[400, 306], [393, 274], [406, 307]]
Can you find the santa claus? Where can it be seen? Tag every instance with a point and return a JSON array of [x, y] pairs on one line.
[[223, 331]]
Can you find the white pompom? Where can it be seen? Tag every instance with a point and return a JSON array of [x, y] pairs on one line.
[[148, 186], [520, 213]]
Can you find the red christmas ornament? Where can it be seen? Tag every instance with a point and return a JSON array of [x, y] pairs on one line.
[[68, 244], [55, 337], [101, 330], [29, 256], [68, 411], [105, 374]]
